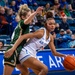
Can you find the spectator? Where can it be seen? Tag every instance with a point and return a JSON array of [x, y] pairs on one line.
[[63, 2], [57, 30], [1, 44], [71, 44], [18, 3], [61, 13], [32, 4], [56, 6], [66, 11], [40, 21], [64, 25], [13, 6], [3, 22], [9, 19], [70, 8], [62, 39], [47, 7], [15, 22], [69, 32], [56, 2]]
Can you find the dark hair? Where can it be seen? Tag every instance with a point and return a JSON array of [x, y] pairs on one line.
[[49, 14]]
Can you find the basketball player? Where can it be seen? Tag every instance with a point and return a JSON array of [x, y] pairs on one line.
[[38, 39], [26, 17]]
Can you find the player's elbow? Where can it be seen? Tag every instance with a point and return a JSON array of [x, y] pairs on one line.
[[54, 53], [21, 37]]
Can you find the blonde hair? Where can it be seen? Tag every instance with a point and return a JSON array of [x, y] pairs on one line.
[[23, 10]]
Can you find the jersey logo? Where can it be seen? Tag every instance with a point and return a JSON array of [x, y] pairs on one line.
[[12, 61], [41, 42]]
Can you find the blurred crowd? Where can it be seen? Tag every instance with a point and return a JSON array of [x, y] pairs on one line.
[[63, 11]]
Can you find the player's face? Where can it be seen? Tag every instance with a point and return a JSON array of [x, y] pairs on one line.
[[28, 14], [51, 25], [1, 45]]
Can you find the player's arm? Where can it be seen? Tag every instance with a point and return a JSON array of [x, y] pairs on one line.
[[38, 34], [30, 18], [53, 49]]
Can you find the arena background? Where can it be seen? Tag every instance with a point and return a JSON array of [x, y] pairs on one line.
[[54, 64]]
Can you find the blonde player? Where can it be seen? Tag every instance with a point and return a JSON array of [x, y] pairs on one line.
[[24, 13]]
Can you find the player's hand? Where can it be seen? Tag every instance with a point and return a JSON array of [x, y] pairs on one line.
[[65, 55], [8, 53], [39, 9]]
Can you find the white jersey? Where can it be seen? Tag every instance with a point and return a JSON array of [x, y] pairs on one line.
[[31, 48], [36, 44]]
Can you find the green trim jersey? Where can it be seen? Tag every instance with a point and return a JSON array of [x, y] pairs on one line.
[[19, 30]]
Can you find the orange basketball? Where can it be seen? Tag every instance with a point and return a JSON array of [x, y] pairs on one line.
[[69, 63]]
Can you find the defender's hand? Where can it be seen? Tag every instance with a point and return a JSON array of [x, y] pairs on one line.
[[8, 53]]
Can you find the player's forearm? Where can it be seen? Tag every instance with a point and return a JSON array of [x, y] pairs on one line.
[[59, 54], [17, 43], [30, 18]]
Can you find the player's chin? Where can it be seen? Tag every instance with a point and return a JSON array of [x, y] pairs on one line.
[[52, 29]]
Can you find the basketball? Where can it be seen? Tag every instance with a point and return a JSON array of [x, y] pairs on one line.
[[69, 63]]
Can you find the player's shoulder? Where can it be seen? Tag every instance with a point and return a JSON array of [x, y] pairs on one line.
[[41, 30]]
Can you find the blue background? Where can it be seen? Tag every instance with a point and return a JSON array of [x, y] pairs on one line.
[[54, 63]]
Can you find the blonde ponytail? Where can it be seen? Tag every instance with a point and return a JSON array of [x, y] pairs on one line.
[[23, 10]]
